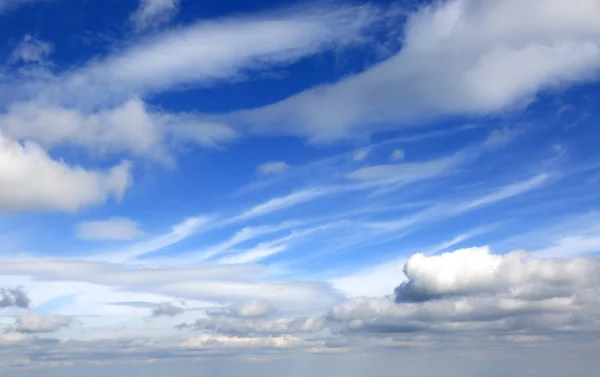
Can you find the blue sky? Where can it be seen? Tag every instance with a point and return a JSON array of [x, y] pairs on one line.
[[267, 181]]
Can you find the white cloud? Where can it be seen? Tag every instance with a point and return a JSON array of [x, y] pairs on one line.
[[31, 50], [210, 341], [407, 172], [33, 323], [154, 12], [474, 290], [31, 180], [116, 228], [211, 51], [254, 309], [459, 57], [131, 128], [398, 155], [273, 167], [361, 154], [225, 283], [178, 232], [280, 203]]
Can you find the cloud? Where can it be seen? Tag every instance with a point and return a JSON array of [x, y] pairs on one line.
[[154, 12], [475, 290], [131, 128], [14, 297], [177, 233], [212, 341], [212, 51], [31, 180], [398, 155], [407, 172], [167, 309], [7, 5], [252, 327], [459, 57], [100, 106], [280, 203], [31, 50], [224, 283], [248, 310], [273, 167], [116, 228], [33, 323], [361, 154]]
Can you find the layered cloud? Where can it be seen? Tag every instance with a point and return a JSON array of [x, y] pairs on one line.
[[497, 56], [33, 323], [116, 229]]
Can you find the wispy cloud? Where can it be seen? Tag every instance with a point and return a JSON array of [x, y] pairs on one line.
[[116, 228], [151, 13]]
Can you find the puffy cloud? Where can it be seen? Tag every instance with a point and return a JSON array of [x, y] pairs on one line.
[[167, 309], [250, 327], [273, 167], [31, 180], [154, 12], [14, 297], [212, 341], [33, 323], [254, 309], [31, 50], [459, 57], [476, 271], [116, 228], [474, 290], [248, 310], [253, 318]]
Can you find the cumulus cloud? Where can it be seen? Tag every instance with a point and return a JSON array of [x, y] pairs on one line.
[[31, 180], [249, 327], [212, 341], [116, 228], [475, 290], [476, 271], [14, 297], [459, 57], [154, 12], [248, 310], [273, 167], [167, 309], [33, 323], [31, 50]]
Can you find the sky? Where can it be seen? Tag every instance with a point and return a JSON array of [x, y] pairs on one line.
[[330, 188]]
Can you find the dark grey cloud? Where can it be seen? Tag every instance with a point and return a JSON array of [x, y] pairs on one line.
[[14, 297], [167, 309]]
